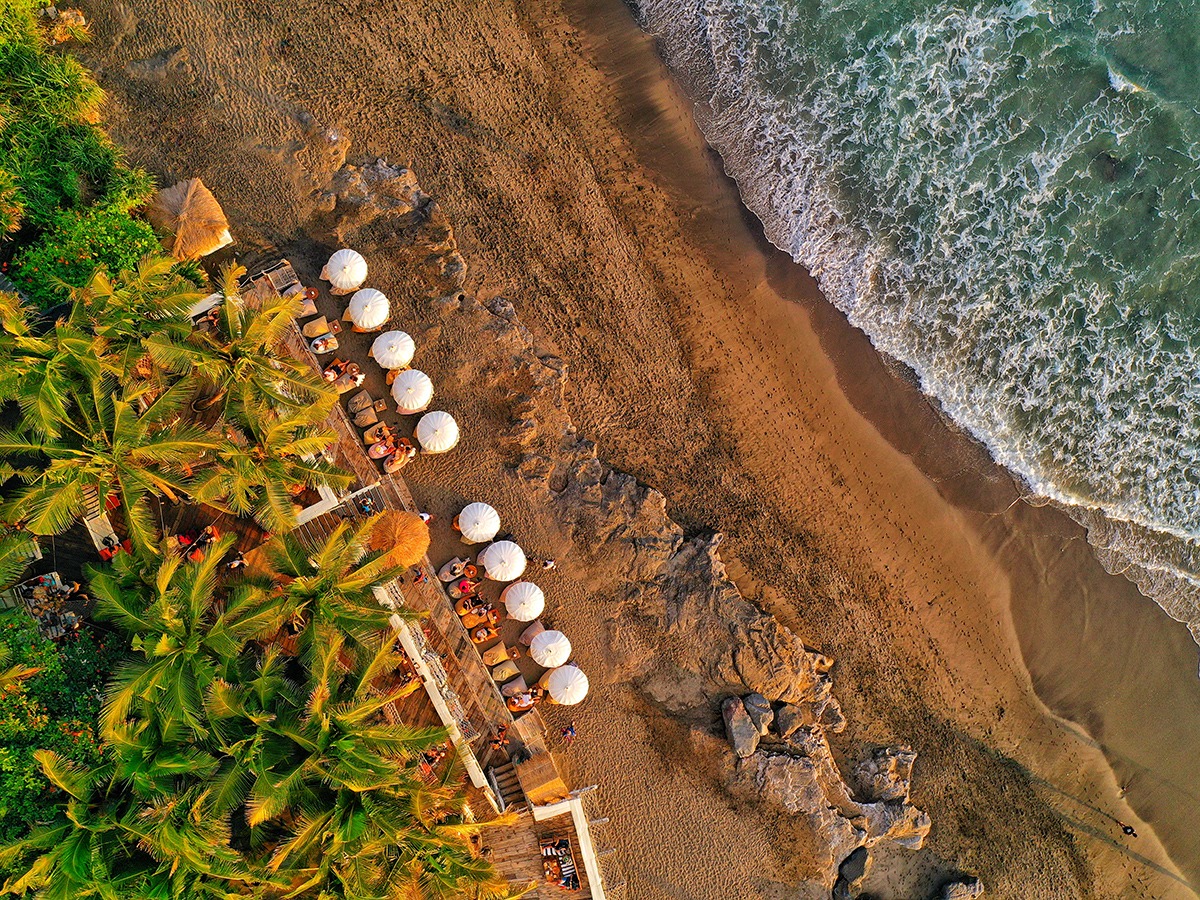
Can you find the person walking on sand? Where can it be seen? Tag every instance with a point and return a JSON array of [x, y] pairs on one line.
[[567, 735], [1128, 829]]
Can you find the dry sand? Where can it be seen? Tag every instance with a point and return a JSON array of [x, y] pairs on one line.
[[709, 366]]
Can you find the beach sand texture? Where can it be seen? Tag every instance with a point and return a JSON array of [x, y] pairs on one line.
[[709, 367]]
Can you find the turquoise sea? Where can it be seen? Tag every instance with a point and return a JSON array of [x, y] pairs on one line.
[[1006, 197]]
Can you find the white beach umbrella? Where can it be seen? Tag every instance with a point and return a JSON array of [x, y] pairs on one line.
[[550, 649], [412, 390], [567, 685], [438, 432], [369, 308], [346, 271], [393, 349], [478, 523], [502, 561], [524, 600]]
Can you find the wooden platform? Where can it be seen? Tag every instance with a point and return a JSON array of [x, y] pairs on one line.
[[516, 852]]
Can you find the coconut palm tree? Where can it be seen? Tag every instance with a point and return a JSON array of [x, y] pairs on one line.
[[331, 584], [110, 447], [260, 468], [186, 634], [152, 301], [241, 365]]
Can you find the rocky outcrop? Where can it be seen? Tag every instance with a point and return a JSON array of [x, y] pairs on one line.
[[743, 732], [792, 768], [885, 773], [380, 205], [963, 889]]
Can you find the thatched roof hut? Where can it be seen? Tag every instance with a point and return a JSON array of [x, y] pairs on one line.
[[403, 534], [191, 218]]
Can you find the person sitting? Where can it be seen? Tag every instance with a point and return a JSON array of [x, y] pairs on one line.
[[483, 634], [469, 603], [452, 570], [462, 588], [522, 702], [480, 615], [335, 369]]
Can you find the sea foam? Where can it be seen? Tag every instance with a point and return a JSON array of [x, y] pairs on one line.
[[986, 195]]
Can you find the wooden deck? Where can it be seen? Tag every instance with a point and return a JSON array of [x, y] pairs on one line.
[[516, 853]]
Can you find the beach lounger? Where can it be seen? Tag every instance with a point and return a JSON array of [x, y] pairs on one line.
[[366, 417], [514, 687], [493, 656], [506, 670], [360, 401], [315, 328], [531, 632]]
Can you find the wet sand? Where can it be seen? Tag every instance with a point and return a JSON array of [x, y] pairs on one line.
[[701, 360]]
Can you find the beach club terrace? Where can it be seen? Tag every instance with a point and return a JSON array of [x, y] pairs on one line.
[[561, 838]]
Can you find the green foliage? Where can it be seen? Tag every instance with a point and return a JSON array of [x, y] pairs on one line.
[[50, 144], [56, 708], [75, 245]]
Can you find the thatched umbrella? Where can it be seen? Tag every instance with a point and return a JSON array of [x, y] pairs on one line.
[[403, 534], [192, 219]]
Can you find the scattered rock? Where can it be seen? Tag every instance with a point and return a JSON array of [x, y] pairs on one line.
[[885, 774], [759, 709], [963, 889], [832, 718], [743, 733], [851, 872], [792, 716]]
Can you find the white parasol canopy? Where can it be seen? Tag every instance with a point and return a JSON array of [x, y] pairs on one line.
[[438, 432], [502, 561], [524, 600], [345, 271], [369, 309], [550, 649], [393, 349], [478, 523], [412, 390], [567, 685]]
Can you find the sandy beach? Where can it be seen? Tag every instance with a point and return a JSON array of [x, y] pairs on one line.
[[965, 622]]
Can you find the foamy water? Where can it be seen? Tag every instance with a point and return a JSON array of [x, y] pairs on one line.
[[1005, 198]]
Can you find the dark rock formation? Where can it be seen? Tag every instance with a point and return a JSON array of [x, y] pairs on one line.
[[759, 709], [740, 727]]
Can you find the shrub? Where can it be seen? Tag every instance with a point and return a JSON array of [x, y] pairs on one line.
[[76, 244], [56, 709]]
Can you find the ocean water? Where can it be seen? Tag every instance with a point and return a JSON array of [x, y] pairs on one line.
[[1004, 197]]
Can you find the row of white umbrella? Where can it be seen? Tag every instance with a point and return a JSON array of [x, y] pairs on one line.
[[346, 271], [523, 600], [437, 431]]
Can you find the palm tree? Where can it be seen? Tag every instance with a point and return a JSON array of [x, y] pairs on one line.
[[260, 476], [186, 634], [108, 447], [242, 365], [331, 584], [151, 302], [41, 371]]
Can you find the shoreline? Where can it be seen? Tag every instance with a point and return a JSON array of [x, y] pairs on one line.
[[660, 407]]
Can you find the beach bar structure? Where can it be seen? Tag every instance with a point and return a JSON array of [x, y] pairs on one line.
[[560, 834]]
